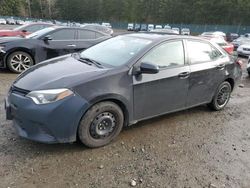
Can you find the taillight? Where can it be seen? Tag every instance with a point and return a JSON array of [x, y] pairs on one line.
[[240, 63]]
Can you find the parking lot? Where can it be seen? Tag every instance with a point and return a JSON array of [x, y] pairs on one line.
[[192, 148]]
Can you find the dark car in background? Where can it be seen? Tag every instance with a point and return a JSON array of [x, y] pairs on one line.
[[126, 79], [231, 36], [24, 30], [144, 27], [19, 54], [137, 27]]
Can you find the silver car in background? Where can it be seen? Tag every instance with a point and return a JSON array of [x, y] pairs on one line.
[[185, 31], [3, 21]]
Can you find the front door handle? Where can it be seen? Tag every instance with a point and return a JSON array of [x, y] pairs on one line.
[[71, 45], [184, 75], [221, 66]]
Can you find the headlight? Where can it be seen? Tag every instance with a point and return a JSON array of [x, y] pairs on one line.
[[49, 96]]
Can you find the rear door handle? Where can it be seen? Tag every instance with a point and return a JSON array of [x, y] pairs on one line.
[[184, 75], [71, 45], [221, 66]]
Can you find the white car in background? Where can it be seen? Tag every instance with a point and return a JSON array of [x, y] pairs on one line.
[[98, 27], [214, 34], [151, 27], [167, 27], [185, 31], [10, 21], [176, 30], [20, 22], [158, 27], [2, 21], [130, 27], [244, 49], [106, 25]]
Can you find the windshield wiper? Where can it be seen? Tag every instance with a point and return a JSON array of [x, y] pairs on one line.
[[91, 62]]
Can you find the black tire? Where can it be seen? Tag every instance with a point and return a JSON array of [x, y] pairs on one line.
[[221, 97], [104, 116], [19, 61]]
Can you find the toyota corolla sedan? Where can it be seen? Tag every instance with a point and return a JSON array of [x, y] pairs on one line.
[[92, 95]]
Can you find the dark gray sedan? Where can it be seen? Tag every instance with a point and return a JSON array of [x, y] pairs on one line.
[[94, 94]]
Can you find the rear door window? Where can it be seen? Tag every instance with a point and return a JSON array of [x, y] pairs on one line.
[[63, 34], [199, 52], [86, 35]]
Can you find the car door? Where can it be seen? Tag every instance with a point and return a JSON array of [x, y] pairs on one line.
[[166, 91], [62, 41], [87, 38], [207, 66]]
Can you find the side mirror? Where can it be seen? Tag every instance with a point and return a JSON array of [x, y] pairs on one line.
[[148, 68], [24, 31], [47, 38]]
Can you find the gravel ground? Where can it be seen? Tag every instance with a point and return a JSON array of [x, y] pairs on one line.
[[192, 148]]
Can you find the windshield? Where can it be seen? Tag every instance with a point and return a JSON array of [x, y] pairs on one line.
[[40, 33], [116, 51], [20, 28]]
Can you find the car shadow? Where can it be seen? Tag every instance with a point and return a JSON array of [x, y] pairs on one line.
[[5, 71]]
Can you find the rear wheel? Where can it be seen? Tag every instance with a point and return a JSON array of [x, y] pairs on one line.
[[221, 97], [19, 61], [101, 124]]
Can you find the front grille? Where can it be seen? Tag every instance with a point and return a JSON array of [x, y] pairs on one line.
[[246, 49], [18, 91]]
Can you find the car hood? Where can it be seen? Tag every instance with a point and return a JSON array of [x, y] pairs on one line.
[[61, 72], [4, 31], [8, 32], [245, 46], [241, 40]]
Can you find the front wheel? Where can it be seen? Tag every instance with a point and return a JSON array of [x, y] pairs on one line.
[[221, 97], [101, 124], [19, 61]]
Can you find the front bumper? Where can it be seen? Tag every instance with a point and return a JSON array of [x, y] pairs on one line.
[[50, 123]]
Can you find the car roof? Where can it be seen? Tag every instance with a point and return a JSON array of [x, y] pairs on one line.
[[161, 37], [79, 28], [39, 23]]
